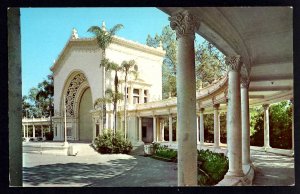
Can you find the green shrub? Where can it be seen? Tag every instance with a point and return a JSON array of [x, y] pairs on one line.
[[212, 167], [165, 152], [108, 143]]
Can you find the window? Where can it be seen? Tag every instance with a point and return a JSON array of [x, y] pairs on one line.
[[136, 98], [145, 96]]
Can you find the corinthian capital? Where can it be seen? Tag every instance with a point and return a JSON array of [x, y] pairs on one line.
[[234, 63], [245, 76], [184, 23], [266, 106]]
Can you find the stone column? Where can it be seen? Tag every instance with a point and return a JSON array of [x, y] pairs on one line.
[[198, 130], [202, 126], [154, 129], [170, 129], [24, 130], [42, 130], [216, 125], [185, 25], [234, 132], [140, 129], [293, 136], [162, 130], [27, 131], [245, 119], [266, 126], [33, 131]]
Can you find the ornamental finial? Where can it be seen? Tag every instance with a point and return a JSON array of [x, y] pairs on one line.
[[103, 26], [74, 34]]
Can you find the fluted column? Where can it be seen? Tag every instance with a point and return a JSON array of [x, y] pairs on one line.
[[216, 125], [201, 126], [266, 126], [154, 129], [198, 130], [245, 118], [170, 129], [234, 131], [140, 129], [293, 137], [27, 131], [33, 131], [185, 25], [42, 131], [162, 130]]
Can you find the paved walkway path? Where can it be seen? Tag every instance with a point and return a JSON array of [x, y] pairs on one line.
[[273, 169], [119, 170]]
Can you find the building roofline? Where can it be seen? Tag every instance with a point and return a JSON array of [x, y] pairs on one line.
[[116, 40]]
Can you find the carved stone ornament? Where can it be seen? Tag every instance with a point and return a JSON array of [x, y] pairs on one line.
[[216, 106], [245, 78], [245, 81], [184, 23], [72, 91], [266, 106], [234, 63]]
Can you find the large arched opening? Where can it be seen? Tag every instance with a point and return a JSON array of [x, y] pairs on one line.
[[85, 118]]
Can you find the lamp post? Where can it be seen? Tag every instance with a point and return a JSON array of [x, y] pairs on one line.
[[65, 142]]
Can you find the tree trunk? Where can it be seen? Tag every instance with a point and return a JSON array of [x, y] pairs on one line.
[[103, 91]]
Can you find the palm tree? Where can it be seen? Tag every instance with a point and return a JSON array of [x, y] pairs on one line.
[[104, 39], [114, 96], [128, 67]]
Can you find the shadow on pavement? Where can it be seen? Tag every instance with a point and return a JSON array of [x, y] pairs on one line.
[[74, 173]]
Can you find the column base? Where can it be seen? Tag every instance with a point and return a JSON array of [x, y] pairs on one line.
[[232, 181], [266, 148], [66, 144]]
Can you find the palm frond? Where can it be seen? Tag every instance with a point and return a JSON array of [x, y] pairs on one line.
[[114, 29]]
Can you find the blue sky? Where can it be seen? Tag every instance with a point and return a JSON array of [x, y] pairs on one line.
[[45, 31]]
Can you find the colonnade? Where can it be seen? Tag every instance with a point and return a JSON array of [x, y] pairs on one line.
[[26, 130], [238, 131]]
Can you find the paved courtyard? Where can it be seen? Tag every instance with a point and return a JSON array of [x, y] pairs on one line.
[[119, 170], [97, 171]]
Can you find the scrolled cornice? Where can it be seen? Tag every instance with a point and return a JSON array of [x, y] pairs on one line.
[[184, 23]]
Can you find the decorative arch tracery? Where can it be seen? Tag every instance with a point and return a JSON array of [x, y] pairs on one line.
[[72, 90]]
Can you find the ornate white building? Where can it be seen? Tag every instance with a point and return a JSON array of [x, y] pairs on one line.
[[78, 78]]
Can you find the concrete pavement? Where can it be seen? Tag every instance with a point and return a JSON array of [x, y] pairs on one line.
[[120, 170]]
